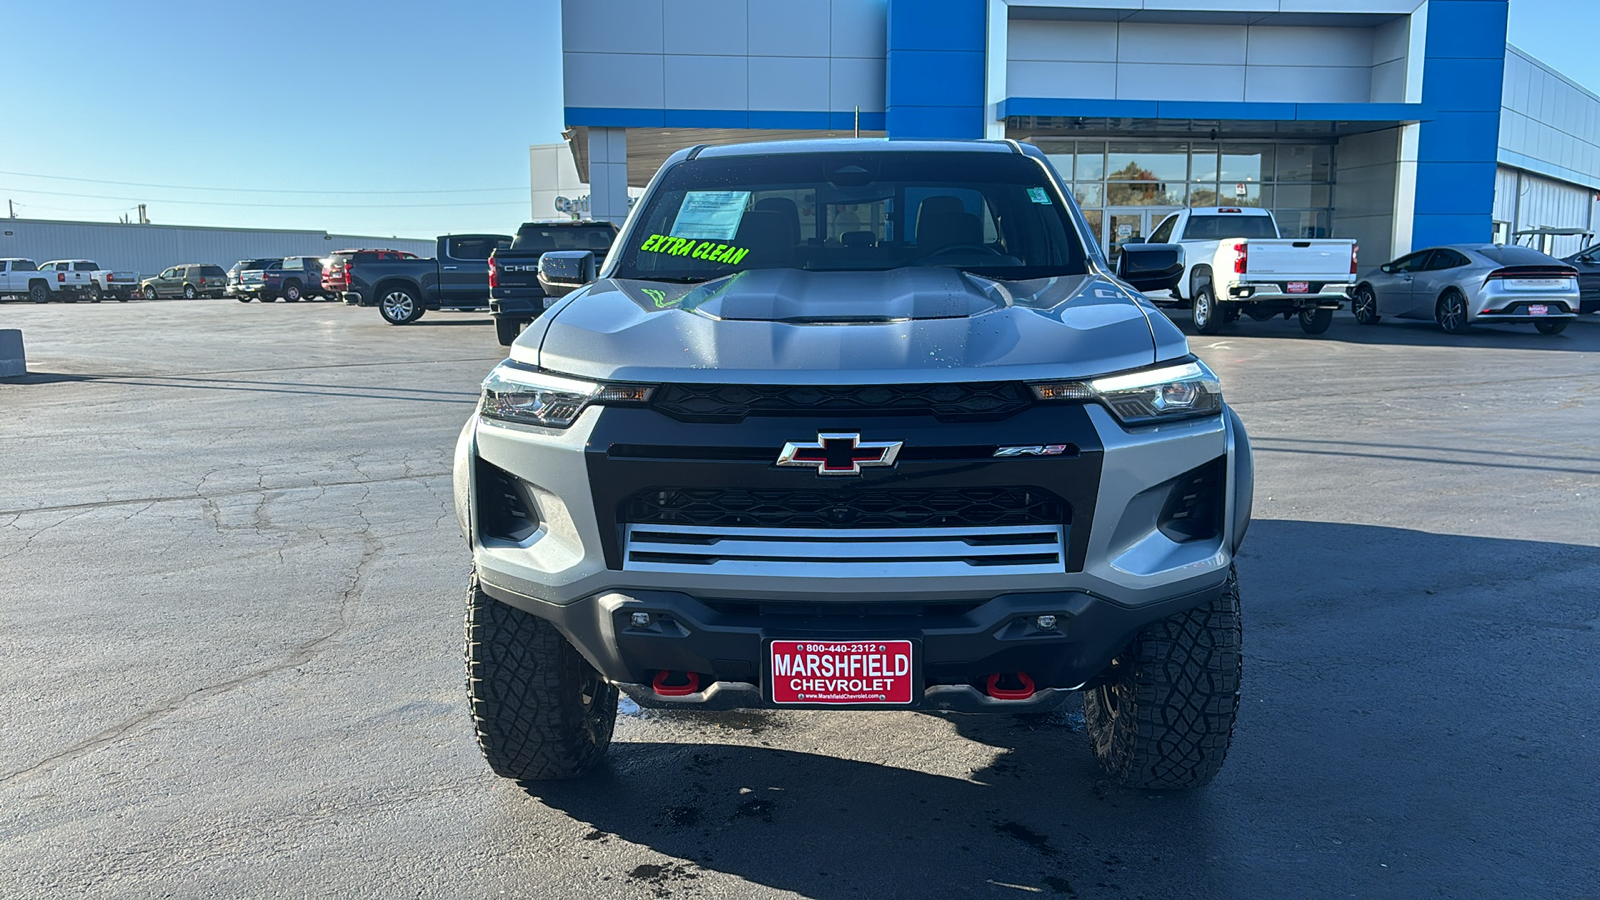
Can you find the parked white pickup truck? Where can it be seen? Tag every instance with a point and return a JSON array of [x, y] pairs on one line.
[[22, 278], [98, 283], [1234, 262]]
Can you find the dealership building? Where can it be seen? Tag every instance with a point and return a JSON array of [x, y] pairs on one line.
[[1399, 123]]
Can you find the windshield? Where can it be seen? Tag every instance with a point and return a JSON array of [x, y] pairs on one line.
[[543, 238], [992, 214]]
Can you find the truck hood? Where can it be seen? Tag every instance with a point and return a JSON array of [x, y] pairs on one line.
[[780, 326]]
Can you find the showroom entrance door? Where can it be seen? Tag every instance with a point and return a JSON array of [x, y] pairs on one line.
[[1121, 225]]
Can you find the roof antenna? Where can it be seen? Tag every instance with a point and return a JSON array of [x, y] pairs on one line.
[[858, 120]]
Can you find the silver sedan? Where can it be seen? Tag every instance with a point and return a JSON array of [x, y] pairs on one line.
[[1463, 284]]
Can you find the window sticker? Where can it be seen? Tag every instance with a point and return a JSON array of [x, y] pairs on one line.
[[711, 251], [1038, 195], [710, 215]]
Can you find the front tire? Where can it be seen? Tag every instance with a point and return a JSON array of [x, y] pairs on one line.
[[150, 293], [95, 294], [542, 713], [1315, 321], [1451, 313], [1364, 303], [507, 330], [1204, 305], [399, 306], [1552, 326], [1165, 720]]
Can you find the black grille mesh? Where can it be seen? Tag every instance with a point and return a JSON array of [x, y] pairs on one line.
[[965, 507], [732, 402]]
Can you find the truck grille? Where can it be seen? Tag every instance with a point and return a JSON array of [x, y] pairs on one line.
[[980, 507], [978, 401], [864, 552]]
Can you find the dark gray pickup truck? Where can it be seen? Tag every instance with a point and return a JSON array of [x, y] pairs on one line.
[[515, 297], [457, 277]]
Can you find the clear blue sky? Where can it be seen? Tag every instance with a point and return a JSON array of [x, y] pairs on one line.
[[336, 97]]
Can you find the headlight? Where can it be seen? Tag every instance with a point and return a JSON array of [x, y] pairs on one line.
[[1161, 394], [515, 393]]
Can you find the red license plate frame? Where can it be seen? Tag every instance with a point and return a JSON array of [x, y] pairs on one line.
[[842, 673], [1299, 287]]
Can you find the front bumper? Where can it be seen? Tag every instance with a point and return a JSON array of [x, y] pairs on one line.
[[957, 646], [583, 568]]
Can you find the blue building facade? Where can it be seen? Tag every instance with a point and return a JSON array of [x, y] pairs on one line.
[[1382, 120]]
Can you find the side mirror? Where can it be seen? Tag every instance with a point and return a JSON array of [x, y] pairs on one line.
[[563, 271], [1151, 267], [1387, 268]]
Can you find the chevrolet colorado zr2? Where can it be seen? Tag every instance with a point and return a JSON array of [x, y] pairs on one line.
[[857, 425]]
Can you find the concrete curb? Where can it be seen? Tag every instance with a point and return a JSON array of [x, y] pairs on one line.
[[13, 360]]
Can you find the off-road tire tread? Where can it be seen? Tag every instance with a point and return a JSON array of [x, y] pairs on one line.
[[1180, 698], [523, 683]]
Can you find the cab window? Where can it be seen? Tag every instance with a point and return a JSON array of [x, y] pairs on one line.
[[1163, 232]]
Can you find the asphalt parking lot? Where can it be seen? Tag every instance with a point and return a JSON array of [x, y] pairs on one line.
[[231, 591]]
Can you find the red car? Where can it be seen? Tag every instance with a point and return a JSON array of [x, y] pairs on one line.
[[336, 272]]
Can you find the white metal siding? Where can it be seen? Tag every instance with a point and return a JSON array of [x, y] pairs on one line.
[[1527, 200], [1202, 61], [148, 249], [1548, 124]]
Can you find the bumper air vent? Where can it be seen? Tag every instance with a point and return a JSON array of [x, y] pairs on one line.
[[506, 509], [1194, 507]]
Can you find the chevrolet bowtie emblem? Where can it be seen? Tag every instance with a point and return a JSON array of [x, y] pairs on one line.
[[839, 454]]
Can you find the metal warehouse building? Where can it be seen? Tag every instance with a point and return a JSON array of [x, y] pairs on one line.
[[1396, 122], [148, 249]]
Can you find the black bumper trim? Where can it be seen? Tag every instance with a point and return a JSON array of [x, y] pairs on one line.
[[996, 635]]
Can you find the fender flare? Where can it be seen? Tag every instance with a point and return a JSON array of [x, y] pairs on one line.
[[1244, 478]]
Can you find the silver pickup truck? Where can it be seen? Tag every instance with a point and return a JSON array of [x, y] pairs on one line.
[[854, 425]]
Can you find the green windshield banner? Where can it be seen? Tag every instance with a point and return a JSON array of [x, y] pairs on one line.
[[711, 251]]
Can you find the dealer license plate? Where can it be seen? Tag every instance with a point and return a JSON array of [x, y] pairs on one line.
[[1299, 287], [1538, 309], [841, 673], [1529, 284]]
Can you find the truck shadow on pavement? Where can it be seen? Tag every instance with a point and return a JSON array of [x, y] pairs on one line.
[[1413, 723]]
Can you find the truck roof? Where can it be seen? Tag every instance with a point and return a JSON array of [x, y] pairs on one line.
[[1229, 211], [563, 223], [855, 145]]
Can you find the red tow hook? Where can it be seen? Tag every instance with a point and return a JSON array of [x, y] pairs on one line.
[[1022, 692], [690, 684]]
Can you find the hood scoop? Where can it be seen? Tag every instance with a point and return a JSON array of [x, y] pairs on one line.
[[844, 298]]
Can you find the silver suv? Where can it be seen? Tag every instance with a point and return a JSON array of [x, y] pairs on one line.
[[855, 425]]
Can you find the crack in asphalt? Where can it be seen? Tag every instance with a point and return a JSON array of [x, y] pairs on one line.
[[101, 504], [304, 653]]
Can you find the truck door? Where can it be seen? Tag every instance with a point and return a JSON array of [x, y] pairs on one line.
[[464, 269]]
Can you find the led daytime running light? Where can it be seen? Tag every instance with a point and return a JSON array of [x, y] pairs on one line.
[[513, 393]]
